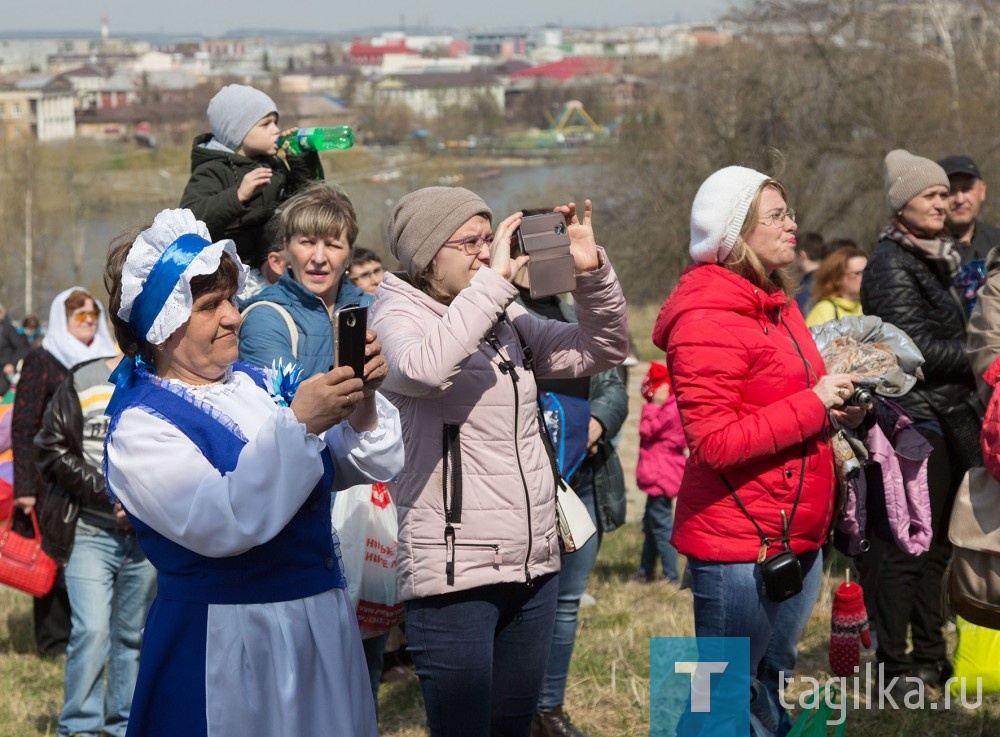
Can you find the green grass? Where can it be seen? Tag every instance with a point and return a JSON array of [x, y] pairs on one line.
[[608, 689], [641, 319]]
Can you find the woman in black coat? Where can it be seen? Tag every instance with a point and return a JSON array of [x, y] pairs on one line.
[[910, 282]]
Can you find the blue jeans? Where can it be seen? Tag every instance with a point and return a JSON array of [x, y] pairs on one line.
[[480, 655], [110, 585], [573, 579], [657, 525], [729, 602]]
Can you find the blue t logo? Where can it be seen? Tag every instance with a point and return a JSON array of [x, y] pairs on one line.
[[690, 675]]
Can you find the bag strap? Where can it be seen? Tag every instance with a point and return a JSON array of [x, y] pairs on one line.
[[293, 331], [764, 539], [529, 365], [34, 523]]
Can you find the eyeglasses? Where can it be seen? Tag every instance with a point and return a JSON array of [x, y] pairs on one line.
[[85, 315], [472, 245], [778, 217]]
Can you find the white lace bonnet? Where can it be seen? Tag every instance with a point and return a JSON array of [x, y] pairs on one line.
[[156, 279]]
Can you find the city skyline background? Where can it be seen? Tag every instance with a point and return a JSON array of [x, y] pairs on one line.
[[196, 17]]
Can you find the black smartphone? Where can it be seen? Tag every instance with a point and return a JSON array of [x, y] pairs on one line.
[[350, 324], [550, 265]]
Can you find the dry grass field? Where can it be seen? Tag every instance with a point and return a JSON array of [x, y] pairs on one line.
[[608, 692]]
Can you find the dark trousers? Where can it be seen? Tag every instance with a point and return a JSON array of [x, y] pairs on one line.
[[52, 619], [51, 613], [481, 654], [905, 591]]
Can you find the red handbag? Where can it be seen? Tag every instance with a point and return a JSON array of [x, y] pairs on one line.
[[23, 563]]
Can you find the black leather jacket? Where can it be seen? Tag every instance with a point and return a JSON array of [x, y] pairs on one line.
[[916, 296], [73, 482]]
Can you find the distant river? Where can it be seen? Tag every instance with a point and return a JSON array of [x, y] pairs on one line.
[[505, 188]]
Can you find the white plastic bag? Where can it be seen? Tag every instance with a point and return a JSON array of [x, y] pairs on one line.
[[365, 520]]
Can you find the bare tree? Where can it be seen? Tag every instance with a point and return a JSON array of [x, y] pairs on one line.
[[816, 94]]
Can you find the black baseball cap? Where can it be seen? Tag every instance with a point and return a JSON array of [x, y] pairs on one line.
[[960, 165]]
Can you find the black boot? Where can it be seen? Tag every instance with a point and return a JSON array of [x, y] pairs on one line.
[[554, 723]]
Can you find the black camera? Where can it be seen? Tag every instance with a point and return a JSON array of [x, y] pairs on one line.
[[860, 397], [782, 575]]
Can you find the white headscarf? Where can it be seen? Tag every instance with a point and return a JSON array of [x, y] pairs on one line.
[[67, 348]]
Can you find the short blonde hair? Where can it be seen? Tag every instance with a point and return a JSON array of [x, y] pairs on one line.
[[743, 261], [318, 211]]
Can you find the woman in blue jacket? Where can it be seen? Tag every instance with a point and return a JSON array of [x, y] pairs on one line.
[[318, 227], [289, 321]]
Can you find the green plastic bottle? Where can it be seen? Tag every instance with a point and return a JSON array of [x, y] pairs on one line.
[[319, 139]]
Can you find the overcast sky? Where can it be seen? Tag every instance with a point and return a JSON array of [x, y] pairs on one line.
[[215, 17]]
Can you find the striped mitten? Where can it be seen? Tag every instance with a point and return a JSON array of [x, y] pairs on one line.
[[848, 628]]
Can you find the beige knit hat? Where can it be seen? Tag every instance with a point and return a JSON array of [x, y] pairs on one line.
[[907, 175], [421, 221]]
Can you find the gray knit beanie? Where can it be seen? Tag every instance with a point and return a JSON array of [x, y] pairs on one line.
[[907, 175], [421, 221], [234, 110]]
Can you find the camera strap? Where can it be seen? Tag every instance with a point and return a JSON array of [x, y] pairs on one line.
[[766, 541], [529, 365]]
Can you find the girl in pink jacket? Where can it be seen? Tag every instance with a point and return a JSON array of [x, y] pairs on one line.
[[662, 455]]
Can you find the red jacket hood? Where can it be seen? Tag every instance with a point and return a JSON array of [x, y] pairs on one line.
[[699, 288]]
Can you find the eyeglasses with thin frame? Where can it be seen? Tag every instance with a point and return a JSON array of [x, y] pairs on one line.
[[778, 217], [472, 244], [85, 315]]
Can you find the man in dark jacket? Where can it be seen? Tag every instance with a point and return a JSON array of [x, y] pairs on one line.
[[968, 193]]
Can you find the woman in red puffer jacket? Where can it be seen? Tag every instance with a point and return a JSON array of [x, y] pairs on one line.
[[754, 399]]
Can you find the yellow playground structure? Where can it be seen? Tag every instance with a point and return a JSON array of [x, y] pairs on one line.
[[572, 126]]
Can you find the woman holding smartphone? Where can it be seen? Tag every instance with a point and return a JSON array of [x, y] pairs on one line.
[[289, 322], [318, 227], [478, 551]]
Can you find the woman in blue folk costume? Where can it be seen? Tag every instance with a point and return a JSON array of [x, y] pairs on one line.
[[225, 471]]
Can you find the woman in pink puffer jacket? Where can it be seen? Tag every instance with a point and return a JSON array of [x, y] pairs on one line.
[[478, 550]]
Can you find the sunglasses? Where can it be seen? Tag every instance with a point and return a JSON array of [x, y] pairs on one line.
[[85, 315]]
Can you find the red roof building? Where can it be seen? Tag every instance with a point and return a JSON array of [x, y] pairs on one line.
[[569, 68], [366, 55]]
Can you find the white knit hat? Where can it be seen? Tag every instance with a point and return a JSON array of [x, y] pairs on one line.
[[719, 210]]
